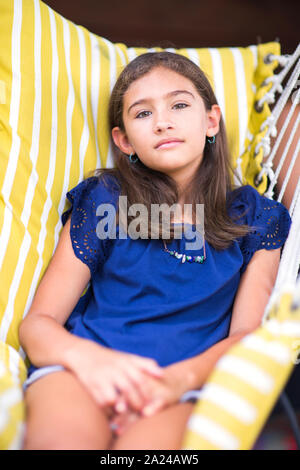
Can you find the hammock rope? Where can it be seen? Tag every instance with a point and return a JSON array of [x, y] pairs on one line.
[[271, 121], [267, 166], [278, 79], [290, 256]]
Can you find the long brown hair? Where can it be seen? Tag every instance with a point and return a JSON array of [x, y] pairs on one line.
[[211, 184]]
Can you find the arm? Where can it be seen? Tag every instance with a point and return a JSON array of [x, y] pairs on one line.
[[254, 290], [57, 294], [47, 342]]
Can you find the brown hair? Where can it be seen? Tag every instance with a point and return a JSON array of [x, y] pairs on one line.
[[211, 184]]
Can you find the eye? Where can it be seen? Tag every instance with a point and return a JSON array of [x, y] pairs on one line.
[[142, 114], [180, 105]]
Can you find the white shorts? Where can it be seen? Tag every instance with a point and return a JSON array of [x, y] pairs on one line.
[[190, 396], [37, 374]]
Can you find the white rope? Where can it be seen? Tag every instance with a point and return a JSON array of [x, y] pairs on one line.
[[267, 166], [277, 79], [281, 59], [289, 171], [290, 257], [295, 198], [271, 121], [278, 108], [287, 91], [265, 143]]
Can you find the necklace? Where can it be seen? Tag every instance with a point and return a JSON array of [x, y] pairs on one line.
[[184, 257]]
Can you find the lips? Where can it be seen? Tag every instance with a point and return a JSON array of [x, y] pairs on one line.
[[168, 142]]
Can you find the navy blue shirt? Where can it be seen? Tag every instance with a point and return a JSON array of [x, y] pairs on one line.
[[142, 300]]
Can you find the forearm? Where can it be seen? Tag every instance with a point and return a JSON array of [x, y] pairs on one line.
[[195, 371], [46, 342]]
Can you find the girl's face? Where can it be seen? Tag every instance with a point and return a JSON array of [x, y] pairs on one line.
[[166, 123]]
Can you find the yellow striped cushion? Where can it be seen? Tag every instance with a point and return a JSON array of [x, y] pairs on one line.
[[245, 384], [12, 408]]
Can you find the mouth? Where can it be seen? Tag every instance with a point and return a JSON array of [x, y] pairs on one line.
[[168, 143]]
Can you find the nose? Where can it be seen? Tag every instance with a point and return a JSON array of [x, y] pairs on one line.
[[162, 124]]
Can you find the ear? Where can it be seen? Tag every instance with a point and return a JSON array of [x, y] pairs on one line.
[[121, 140], [213, 120]]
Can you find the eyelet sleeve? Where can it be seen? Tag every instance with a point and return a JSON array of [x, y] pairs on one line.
[[270, 222], [85, 199]]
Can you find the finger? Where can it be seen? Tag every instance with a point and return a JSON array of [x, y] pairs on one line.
[[106, 393], [121, 406], [153, 407], [141, 383], [149, 365], [130, 392]]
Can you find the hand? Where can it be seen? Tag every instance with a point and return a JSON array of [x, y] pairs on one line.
[[165, 391], [112, 377]]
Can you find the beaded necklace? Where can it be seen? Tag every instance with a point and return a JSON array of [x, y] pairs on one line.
[[183, 257]]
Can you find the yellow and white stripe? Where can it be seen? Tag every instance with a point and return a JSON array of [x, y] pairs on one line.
[[245, 383], [12, 408], [210, 432], [247, 372]]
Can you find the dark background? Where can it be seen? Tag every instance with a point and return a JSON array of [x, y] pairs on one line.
[[187, 23]]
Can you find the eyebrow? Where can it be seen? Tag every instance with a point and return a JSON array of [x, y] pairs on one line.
[[168, 95]]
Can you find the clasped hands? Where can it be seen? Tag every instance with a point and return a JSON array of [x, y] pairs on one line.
[[127, 386], [157, 394]]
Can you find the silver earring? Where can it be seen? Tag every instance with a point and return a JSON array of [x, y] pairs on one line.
[[133, 160]]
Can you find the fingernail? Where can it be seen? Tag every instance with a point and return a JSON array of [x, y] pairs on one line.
[[120, 407], [147, 411]]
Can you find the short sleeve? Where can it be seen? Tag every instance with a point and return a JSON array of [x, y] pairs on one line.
[[269, 221], [85, 198]]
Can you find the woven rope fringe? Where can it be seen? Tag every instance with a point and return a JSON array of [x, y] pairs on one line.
[[271, 121], [290, 258]]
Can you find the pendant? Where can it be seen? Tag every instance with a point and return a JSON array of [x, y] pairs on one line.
[[184, 258]]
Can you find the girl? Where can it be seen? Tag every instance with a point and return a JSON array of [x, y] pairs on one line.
[[121, 366]]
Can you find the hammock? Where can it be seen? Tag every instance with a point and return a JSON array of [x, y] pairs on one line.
[[35, 166], [290, 258], [267, 352]]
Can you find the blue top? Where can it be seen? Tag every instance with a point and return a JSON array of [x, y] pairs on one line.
[[142, 300]]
